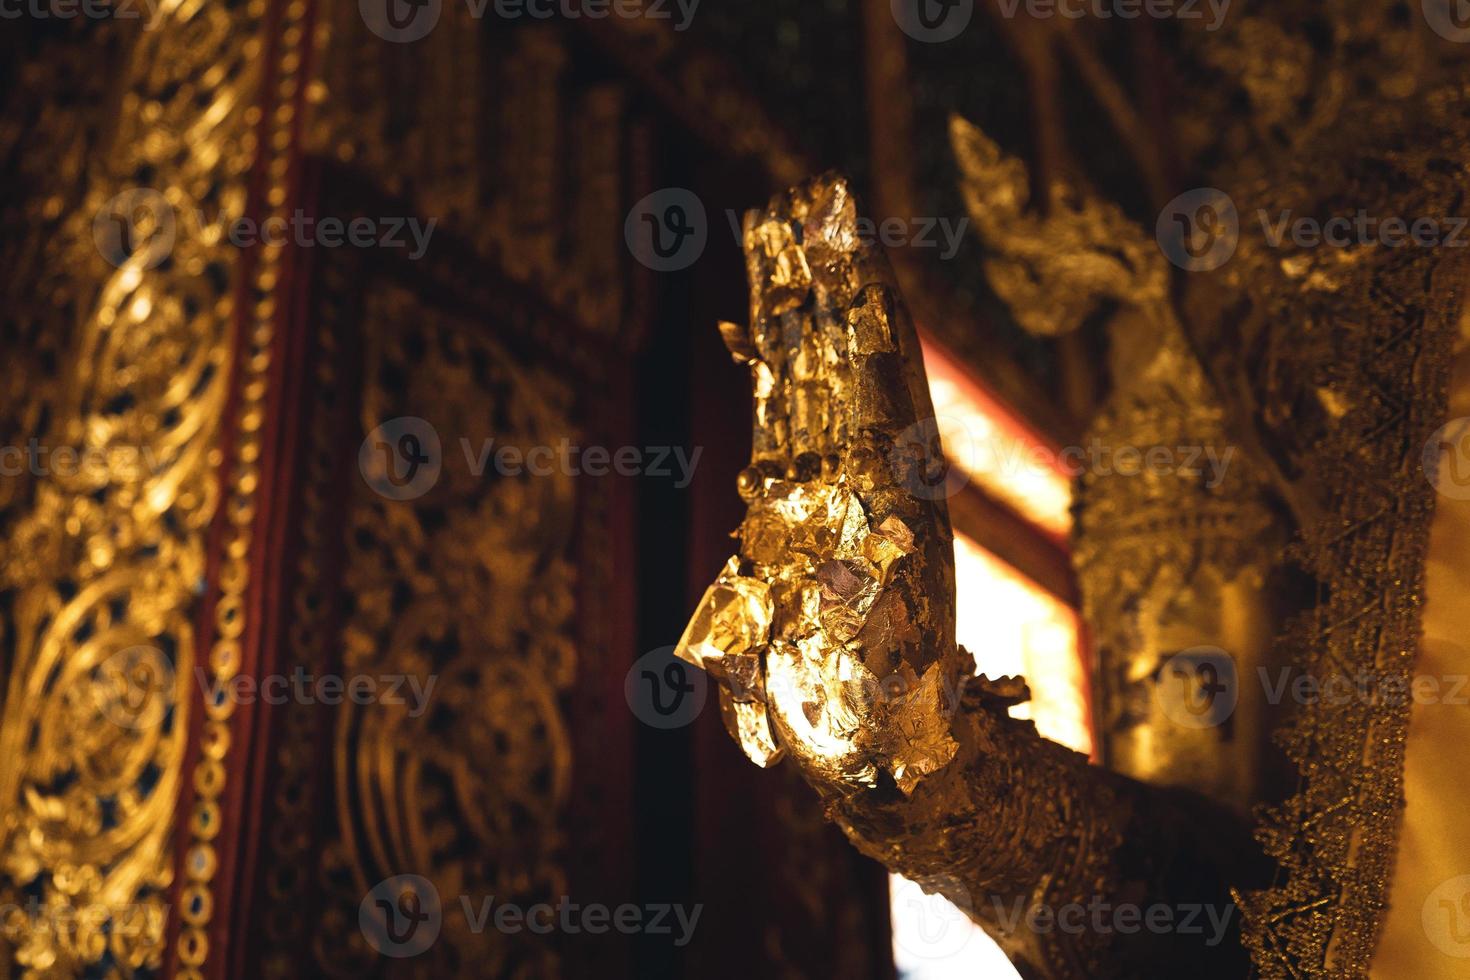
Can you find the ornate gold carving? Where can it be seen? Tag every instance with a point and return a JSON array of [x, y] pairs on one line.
[[469, 585], [547, 206], [1058, 264], [1327, 367], [103, 568], [1168, 558], [832, 631], [1336, 360]]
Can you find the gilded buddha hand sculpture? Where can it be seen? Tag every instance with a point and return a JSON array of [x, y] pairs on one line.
[[831, 633], [833, 629]]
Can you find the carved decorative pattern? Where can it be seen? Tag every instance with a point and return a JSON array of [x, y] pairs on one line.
[[470, 586], [102, 570], [1159, 551], [499, 145], [1337, 360]]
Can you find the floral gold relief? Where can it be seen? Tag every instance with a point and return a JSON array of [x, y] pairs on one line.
[[102, 572], [469, 591]]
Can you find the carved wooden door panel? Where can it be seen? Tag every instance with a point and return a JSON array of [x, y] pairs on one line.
[[442, 621], [364, 611]]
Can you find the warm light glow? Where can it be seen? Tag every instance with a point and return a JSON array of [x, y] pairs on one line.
[[996, 449], [1011, 626]]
